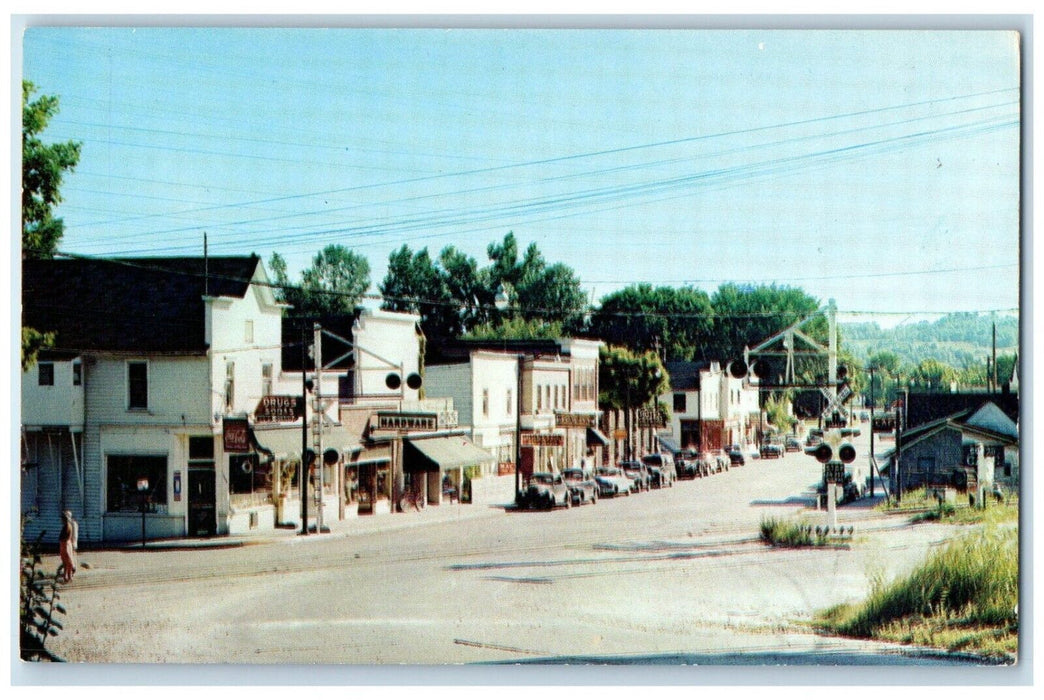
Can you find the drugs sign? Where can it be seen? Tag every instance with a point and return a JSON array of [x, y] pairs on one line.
[[278, 409]]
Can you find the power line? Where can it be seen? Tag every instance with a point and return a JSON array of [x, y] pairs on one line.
[[143, 264], [588, 155]]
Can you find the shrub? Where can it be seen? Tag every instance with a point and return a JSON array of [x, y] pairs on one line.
[[38, 606]]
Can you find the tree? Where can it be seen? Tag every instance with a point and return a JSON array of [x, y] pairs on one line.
[[630, 379], [283, 289], [745, 315], [38, 606], [33, 341], [336, 281], [516, 328], [534, 289], [43, 167], [676, 322], [414, 284]]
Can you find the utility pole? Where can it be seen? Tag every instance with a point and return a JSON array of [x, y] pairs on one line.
[[317, 414], [873, 462], [518, 432], [302, 473]]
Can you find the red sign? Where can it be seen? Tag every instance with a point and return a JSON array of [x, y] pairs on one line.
[[278, 409], [236, 434]]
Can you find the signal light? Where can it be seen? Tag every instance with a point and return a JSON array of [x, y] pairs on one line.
[[823, 452], [393, 381], [414, 381], [737, 369], [846, 453]]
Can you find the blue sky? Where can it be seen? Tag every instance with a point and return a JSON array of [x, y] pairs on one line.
[[878, 168]]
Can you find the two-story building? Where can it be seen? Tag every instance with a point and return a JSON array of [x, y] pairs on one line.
[[710, 408], [127, 411], [542, 393]]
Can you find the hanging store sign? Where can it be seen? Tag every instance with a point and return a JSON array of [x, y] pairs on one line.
[[236, 435], [541, 440], [407, 421], [278, 409], [573, 420], [651, 418]]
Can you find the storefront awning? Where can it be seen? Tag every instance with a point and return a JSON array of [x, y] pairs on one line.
[[669, 444], [596, 438], [285, 442], [442, 453]]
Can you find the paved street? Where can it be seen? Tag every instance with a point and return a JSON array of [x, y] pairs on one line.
[[675, 575]]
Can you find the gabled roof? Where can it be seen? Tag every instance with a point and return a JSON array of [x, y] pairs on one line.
[[685, 376], [140, 305], [988, 422], [991, 418]]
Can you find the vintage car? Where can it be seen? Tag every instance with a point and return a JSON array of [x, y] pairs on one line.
[[546, 490], [736, 457], [613, 482], [661, 469], [771, 450], [582, 486], [638, 472], [792, 445], [687, 465]]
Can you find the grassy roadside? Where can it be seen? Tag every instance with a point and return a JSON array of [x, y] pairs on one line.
[[962, 598], [783, 532]]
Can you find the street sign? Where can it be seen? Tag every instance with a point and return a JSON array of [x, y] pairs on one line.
[[573, 420], [619, 434], [278, 409], [834, 473]]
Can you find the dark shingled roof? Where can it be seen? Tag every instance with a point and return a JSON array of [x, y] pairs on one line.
[[685, 376], [146, 305], [926, 408]]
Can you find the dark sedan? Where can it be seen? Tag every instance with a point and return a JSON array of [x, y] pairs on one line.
[[583, 487]]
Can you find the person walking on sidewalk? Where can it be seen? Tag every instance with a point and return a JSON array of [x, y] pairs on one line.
[[67, 543]]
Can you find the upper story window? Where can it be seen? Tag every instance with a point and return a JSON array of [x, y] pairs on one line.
[[77, 373], [45, 373], [555, 404], [485, 402], [679, 403], [138, 384], [510, 407], [539, 397], [230, 385], [248, 331], [266, 379]]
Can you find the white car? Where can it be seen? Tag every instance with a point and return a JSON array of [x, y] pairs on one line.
[[612, 481]]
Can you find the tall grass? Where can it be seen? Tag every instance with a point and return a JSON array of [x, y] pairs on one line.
[[962, 597]]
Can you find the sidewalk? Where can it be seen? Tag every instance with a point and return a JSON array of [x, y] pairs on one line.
[[332, 528]]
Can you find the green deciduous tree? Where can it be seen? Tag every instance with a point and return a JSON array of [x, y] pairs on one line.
[[746, 315], [674, 322], [336, 281], [43, 167], [333, 285]]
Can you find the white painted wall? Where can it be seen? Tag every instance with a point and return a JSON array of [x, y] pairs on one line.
[[385, 342], [58, 404]]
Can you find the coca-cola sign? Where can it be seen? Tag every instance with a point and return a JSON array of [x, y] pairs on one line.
[[236, 435]]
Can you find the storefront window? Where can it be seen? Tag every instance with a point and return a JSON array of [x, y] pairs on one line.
[[250, 482], [123, 474]]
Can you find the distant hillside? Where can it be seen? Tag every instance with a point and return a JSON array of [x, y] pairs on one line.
[[955, 339]]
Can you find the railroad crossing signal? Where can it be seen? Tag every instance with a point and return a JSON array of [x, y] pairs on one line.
[[835, 447]]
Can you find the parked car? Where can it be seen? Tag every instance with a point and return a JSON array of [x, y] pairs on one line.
[[582, 485], [752, 452], [638, 473], [792, 445], [661, 469], [771, 450], [687, 465], [736, 457], [546, 490], [613, 482]]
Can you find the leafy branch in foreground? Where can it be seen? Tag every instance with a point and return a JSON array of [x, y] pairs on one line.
[[39, 606]]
